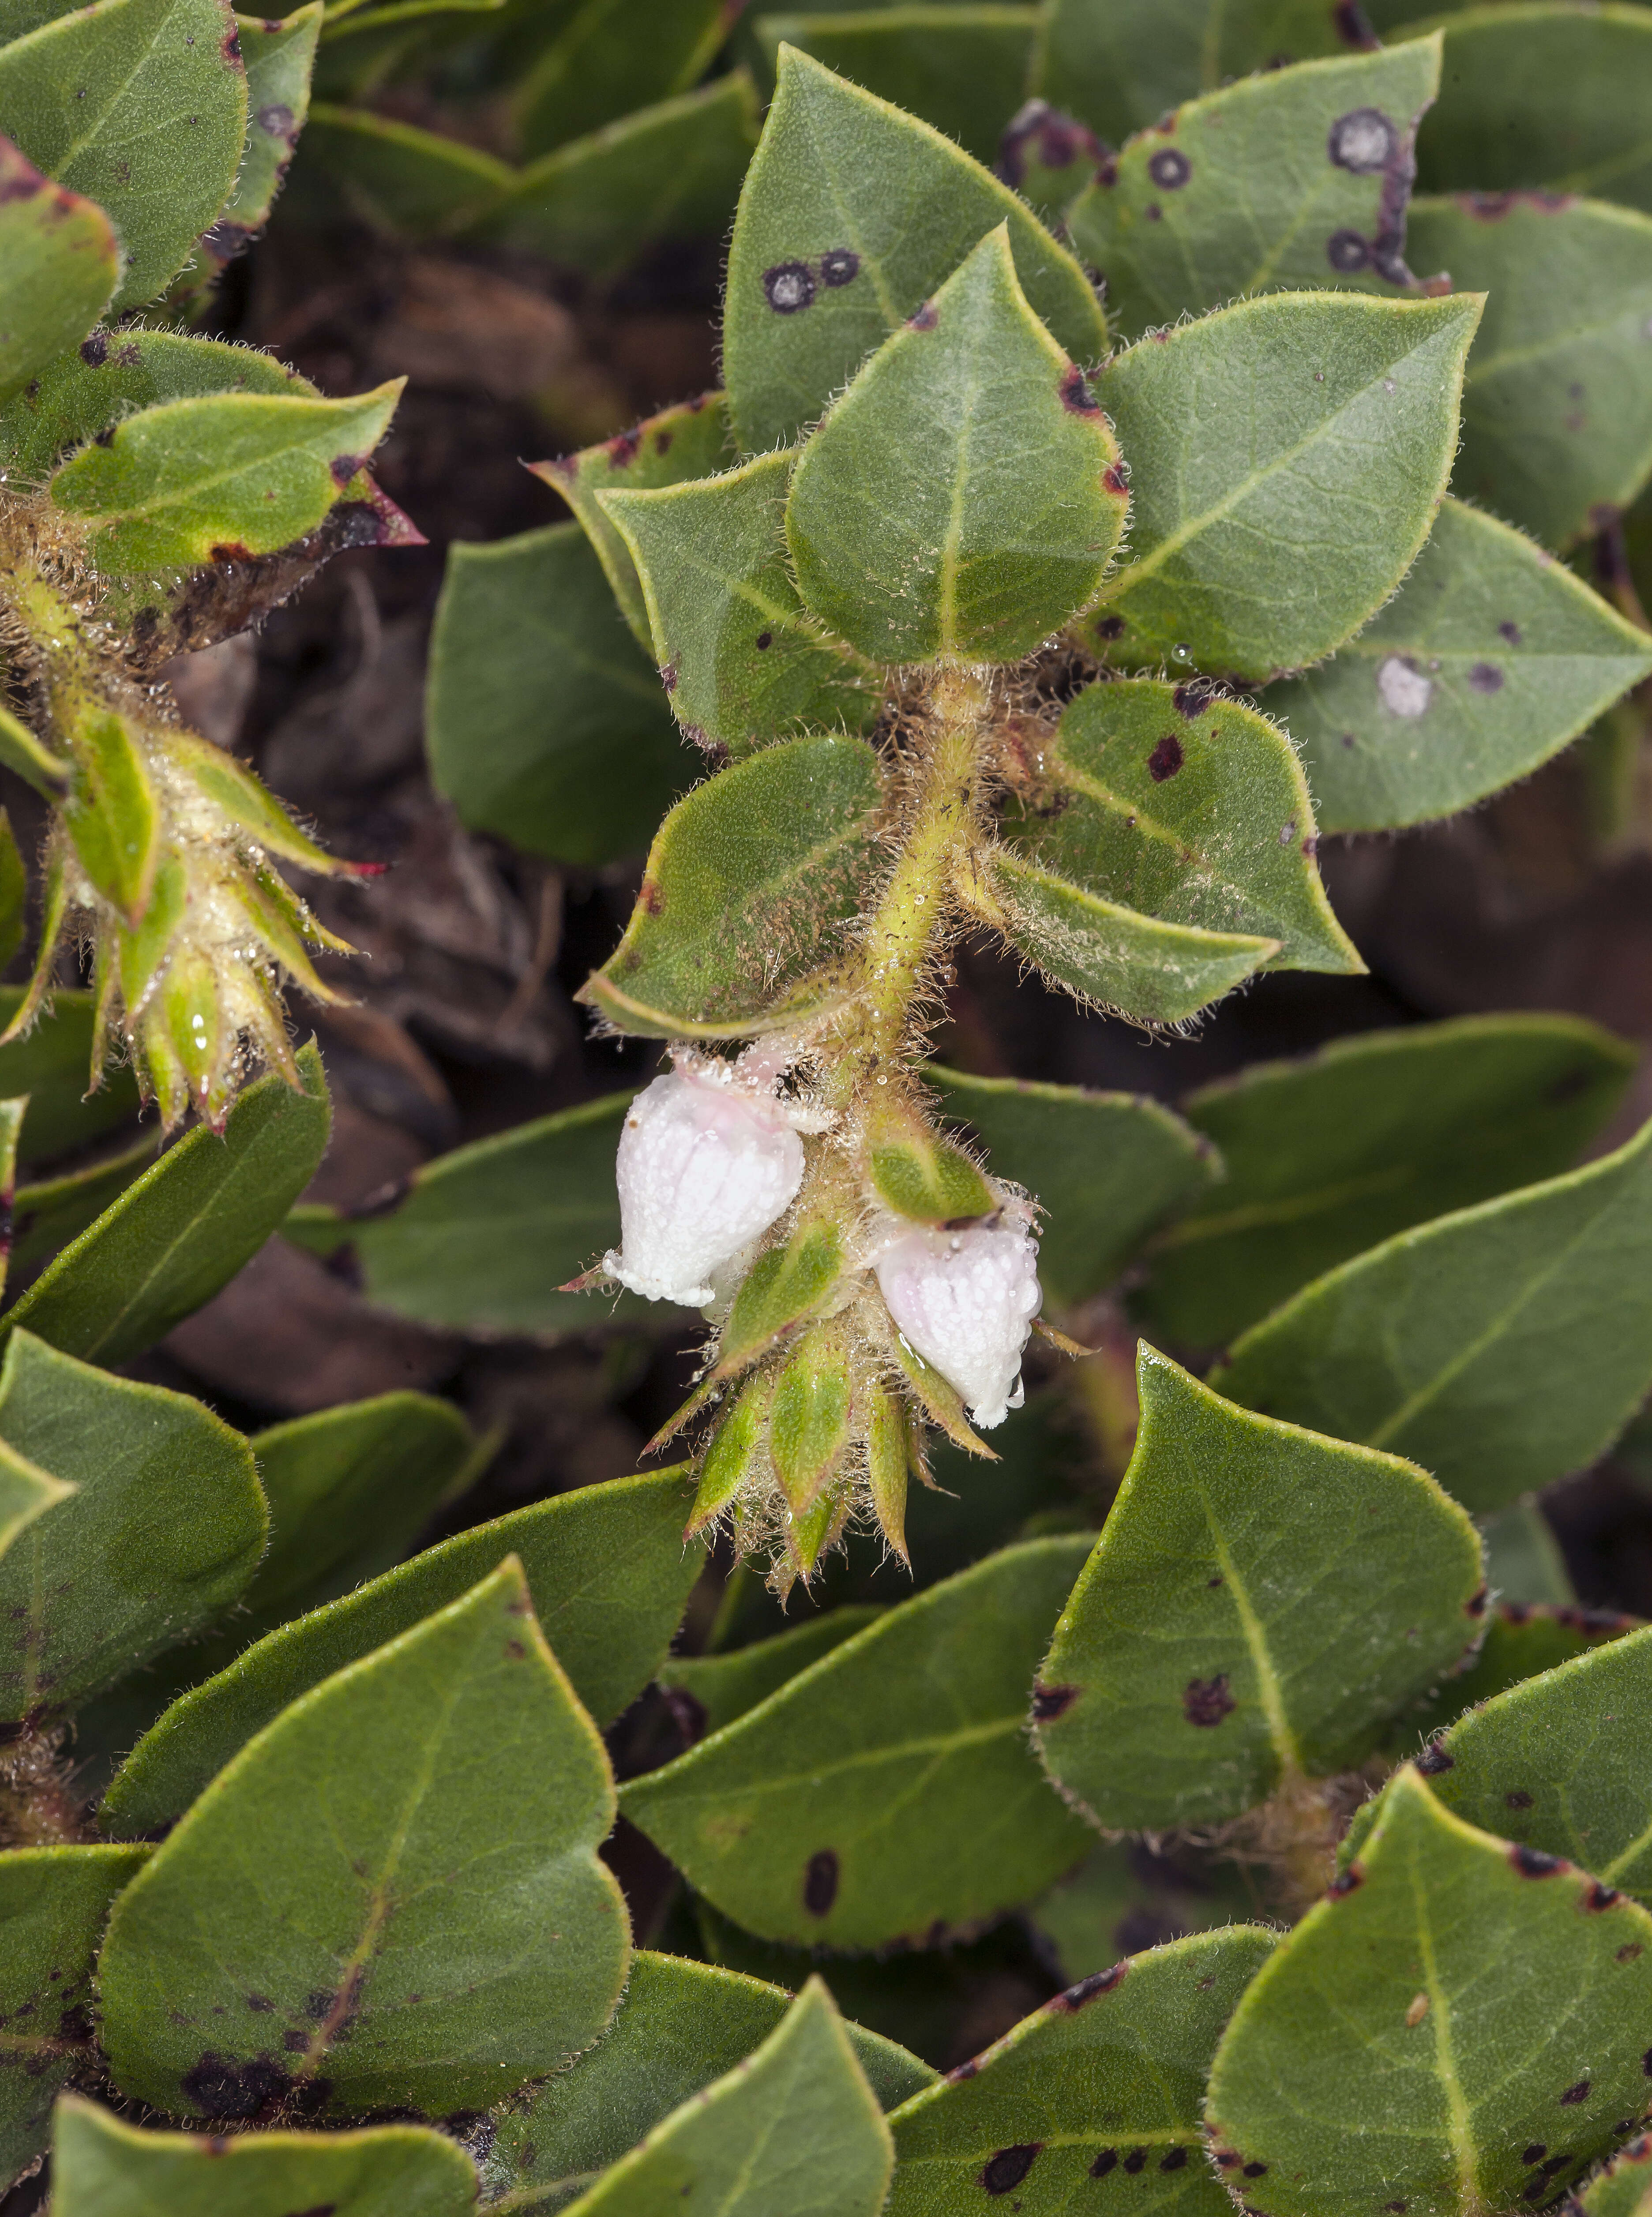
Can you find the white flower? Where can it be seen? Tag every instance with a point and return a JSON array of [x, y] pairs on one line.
[[708, 1159], [965, 1300]]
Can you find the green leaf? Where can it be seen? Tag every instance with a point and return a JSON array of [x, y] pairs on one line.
[[1108, 2077], [741, 656], [1490, 658], [1623, 2189], [1107, 1168], [1260, 1602], [61, 263], [1501, 1347], [671, 171], [413, 183], [681, 2026], [54, 1904], [962, 499], [113, 815], [1390, 2050], [1328, 1153], [750, 884], [851, 215], [520, 623], [1186, 808], [1524, 1562], [25, 1494], [887, 1788], [1548, 95], [48, 1212], [1520, 1642], [959, 68], [118, 372], [185, 1227], [13, 901], [710, 1691], [1297, 177], [1556, 1762], [103, 2168], [609, 1576], [162, 1527], [217, 479], [141, 105], [1122, 64], [349, 1489], [917, 1171], [691, 440], [49, 1065], [1240, 426], [24, 753], [391, 1897], [1557, 415], [795, 2126], [487, 1234], [612, 57]]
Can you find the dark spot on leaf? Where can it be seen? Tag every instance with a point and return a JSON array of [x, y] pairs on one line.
[[1049, 1703], [841, 266], [650, 899], [1154, 212], [1194, 696], [343, 468], [1217, 1581], [923, 318], [1204, 1700], [1486, 677], [231, 47], [1574, 2095], [1098, 1982], [1601, 1896], [1076, 397], [217, 2087], [1114, 481], [662, 442], [1175, 2160], [1057, 140], [1007, 2169], [789, 286], [1107, 2161], [317, 2006], [277, 120], [75, 2023], [514, 1648], [1518, 1800], [231, 550], [261, 2002], [1363, 141], [1533, 1862], [1629, 1951], [1535, 2153], [1164, 762], [128, 357], [963, 2071], [621, 450], [295, 2041], [765, 640], [1255, 2170], [1510, 631], [1345, 1882], [668, 675], [1345, 251], [1475, 1604], [1397, 2208], [1433, 1759], [1136, 2160], [820, 1881], [1169, 169], [1109, 626], [95, 349]]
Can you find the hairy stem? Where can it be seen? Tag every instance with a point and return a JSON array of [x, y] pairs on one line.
[[907, 923]]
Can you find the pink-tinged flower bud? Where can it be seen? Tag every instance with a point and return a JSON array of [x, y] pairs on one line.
[[706, 1163], [965, 1300]]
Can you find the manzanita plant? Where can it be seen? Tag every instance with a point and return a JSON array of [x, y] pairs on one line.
[[1070, 548]]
